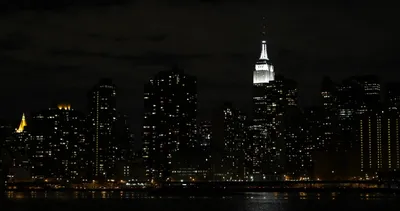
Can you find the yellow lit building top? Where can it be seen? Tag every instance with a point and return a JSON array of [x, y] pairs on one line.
[[22, 125], [64, 106]]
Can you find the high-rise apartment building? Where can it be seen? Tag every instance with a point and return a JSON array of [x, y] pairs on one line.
[[102, 120], [379, 143], [58, 144]]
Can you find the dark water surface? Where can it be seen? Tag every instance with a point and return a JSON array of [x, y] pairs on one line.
[[130, 201]]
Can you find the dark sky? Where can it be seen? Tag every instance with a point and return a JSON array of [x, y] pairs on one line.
[[53, 52]]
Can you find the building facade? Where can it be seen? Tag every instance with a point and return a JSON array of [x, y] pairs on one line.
[[102, 121], [169, 125]]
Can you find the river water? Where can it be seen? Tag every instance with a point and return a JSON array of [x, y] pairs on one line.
[[120, 201]]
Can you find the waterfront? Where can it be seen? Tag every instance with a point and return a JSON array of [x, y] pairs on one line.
[[102, 200]]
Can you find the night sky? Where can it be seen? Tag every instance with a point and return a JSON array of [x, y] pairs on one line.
[[51, 52]]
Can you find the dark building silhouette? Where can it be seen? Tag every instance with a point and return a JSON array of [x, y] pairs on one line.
[[343, 106], [298, 149], [169, 125], [58, 144]]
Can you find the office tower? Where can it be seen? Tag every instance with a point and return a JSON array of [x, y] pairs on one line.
[[235, 134], [170, 109], [264, 108], [14, 145], [20, 139], [102, 128], [379, 144], [343, 105], [58, 145], [272, 96], [356, 95], [22, 125]]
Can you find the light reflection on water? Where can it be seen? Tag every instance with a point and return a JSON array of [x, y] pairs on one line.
[[126, 200]]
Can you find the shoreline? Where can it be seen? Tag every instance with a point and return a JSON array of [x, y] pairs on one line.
[[163, 191]]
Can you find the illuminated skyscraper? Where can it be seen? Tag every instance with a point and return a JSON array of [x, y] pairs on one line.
[[263, 105], [102, 128], [22, 125], [379, 143], [264, 70], [271, 97], [170, 110]]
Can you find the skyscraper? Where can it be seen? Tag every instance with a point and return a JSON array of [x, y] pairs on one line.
[[379, 143], [356, 95], [235, 134], [22, 125], [328, 127], [272, 96], [264, 70], [205, 141], [102, 128], [265, 96], [59, 144], [170, 108]]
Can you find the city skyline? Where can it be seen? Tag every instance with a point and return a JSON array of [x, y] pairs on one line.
[[237, 105], [356, 123], [96, 48]]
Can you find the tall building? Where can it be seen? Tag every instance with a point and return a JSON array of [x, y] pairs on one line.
[[22, 125], [272, 96], [356, 95], [169, 125], [205, 138], [102, 128], [16, 143], [379, 144], [343, 105], [235, 134], [328, 127], [58, 146], [264, 70], [264, 110]]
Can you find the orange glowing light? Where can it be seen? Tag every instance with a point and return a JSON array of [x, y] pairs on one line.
[[63, 106]]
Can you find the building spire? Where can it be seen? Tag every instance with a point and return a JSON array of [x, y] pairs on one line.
[[264, 52], [264, 70], [22, 125]]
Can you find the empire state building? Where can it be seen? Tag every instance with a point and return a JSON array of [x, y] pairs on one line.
[[266, 95], [264, 70]]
